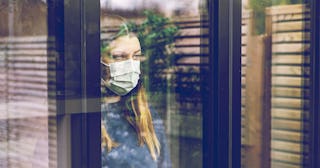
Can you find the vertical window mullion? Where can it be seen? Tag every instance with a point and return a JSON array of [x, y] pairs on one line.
[[75, 27], [315, 84], [222, 120], [235, 83], [92, 82]]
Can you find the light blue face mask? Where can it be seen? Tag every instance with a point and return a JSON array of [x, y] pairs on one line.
[[124, 76]]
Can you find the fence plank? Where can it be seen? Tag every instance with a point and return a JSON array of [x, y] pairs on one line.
[[290, 17], [290, 47], [287, 146], [291, 59], [290, 81], [288, 102], [283, 135], [290, 70], [290, 92], [283, 165], [286, 157], [288, 9], [290, 114], [291, 26], [288, 125]]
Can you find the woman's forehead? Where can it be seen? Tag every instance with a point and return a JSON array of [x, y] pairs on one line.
[[125, 43]]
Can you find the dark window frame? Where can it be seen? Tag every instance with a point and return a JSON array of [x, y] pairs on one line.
[[314, 161], [222, 117], [77, 25]]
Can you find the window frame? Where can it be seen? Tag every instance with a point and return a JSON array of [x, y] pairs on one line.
[[77, 25], [222, 119], [314, 161]]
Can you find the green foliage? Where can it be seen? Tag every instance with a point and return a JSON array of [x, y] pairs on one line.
[[156, 35]]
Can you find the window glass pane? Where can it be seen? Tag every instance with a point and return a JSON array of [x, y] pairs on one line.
[[275, 83], [24, 106], [153, 54]]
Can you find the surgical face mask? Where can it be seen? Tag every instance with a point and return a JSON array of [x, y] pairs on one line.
[[124, 76]]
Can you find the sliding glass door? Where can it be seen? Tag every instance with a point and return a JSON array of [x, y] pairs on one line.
[[167, 42]]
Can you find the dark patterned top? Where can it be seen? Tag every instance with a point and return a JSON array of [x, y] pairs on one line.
[[129, 154]]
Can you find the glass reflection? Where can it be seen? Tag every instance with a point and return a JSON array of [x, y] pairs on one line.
[[24, 123], [168, 42]]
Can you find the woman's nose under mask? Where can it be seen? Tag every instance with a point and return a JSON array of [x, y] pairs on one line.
[[124, 76]]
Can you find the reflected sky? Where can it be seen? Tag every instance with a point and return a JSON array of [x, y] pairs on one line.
[[165, 6]]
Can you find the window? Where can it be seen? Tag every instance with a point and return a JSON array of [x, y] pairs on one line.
[[171, 43], [226, 83]]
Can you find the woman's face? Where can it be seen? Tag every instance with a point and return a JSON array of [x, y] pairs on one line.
[[121, 49]]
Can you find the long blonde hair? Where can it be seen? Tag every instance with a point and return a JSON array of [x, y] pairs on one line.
[[142, 120], [142, 123]]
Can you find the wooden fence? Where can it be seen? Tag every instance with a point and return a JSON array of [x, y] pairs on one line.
[[275, 90], [290, 85]]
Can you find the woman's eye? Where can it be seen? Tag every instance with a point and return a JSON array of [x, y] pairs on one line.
[[118, 56], [136, 56]]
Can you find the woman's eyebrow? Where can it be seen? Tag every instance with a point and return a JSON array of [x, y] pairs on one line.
[[136, 51], [118, 52]]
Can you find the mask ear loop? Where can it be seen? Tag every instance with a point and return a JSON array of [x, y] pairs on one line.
[[103, 63]]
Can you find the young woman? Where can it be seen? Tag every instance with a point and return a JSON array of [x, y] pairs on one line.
[[133, 135]]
